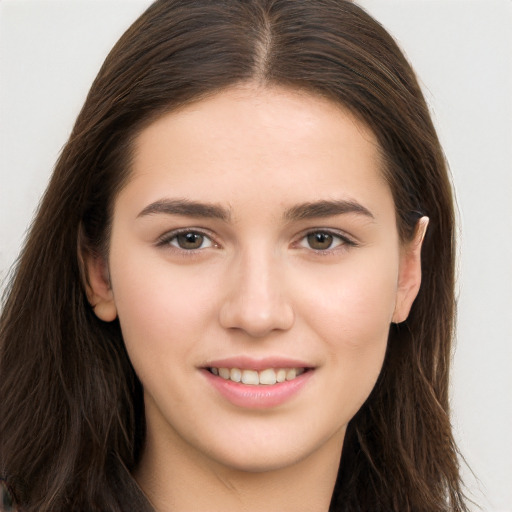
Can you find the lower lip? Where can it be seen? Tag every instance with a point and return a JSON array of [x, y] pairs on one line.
[[258, 397]]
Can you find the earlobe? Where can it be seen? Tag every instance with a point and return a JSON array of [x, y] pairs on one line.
[[99, 291], [409, 279]]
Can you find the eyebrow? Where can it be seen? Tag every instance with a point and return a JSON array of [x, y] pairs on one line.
[[187, 208], [319, 209], [303, 211]]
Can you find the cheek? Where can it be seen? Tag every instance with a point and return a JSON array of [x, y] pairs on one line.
[[162, 312], [355, 301], [351, 314]]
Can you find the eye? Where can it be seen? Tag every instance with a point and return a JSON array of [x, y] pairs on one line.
[[187, 240], [323, 241]]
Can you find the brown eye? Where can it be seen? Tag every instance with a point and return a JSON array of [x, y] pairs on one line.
[[325, 241], [320, 241], [190, 240]]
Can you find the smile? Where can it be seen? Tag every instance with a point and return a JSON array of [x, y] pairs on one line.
[[267, 377]]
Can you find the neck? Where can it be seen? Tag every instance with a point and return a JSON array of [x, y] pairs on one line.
[[194, 482]]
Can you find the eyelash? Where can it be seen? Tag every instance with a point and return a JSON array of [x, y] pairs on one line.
[[166, 239], [344, 241]]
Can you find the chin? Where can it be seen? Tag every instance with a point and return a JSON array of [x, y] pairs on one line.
[[267, 453], [261, 462]]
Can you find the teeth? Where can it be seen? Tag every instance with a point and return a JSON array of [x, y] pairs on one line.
[[235, 375], [291, 374], [266, 377], [250, 377], [224, 373]]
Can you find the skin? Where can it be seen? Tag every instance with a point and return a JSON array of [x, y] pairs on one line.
[[255, 287]]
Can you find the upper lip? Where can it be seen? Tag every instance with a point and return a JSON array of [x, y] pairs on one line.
[[248, 363]]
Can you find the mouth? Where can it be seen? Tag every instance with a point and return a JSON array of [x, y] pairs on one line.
[[265, 377], [267, 383]]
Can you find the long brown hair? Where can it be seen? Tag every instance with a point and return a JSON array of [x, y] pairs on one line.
[[72, 420]]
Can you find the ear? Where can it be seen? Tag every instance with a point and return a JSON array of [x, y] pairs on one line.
[[99, 291], [409, 276]]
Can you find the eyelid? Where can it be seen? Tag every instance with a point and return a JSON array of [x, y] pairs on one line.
[[165, 239], [346, 240]]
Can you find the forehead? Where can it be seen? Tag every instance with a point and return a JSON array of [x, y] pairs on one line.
[[254, 144]]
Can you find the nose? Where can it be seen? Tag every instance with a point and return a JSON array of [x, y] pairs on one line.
[[257, 302]]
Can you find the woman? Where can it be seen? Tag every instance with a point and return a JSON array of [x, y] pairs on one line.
[[238, 289]]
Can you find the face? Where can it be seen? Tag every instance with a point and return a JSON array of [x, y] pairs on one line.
[[255, 267]]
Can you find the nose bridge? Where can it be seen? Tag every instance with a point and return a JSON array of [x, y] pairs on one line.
[[258, 277], [257, 302]]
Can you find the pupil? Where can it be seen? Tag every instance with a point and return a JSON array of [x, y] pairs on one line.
[[320, 240], [190, 240]]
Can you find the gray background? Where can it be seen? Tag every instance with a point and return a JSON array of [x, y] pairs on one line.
[[50, 51]]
